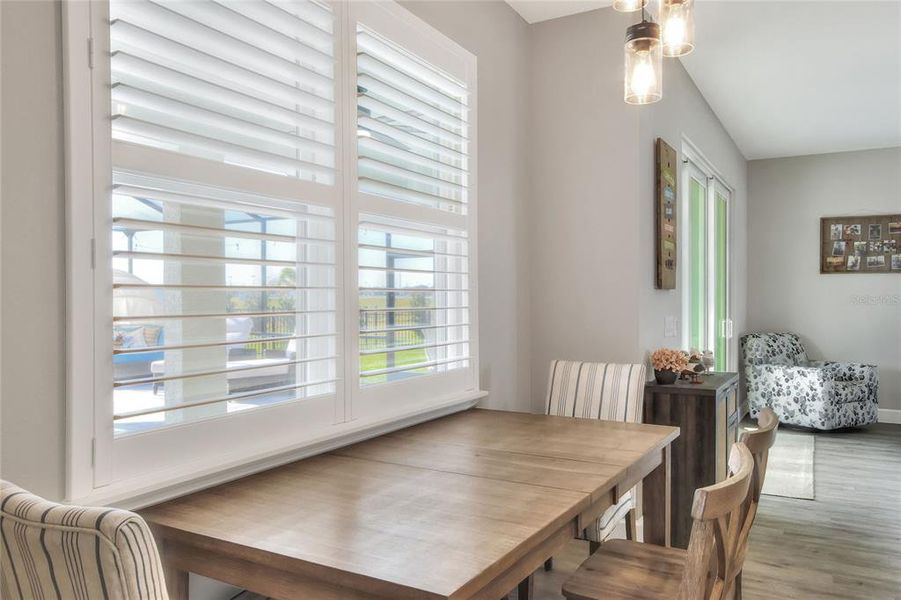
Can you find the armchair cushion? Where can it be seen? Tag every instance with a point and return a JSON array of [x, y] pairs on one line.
[[851, 371], [773, 349]]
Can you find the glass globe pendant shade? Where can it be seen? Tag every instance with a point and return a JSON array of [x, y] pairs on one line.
[[629, 5], [677, 21], [644, 64]]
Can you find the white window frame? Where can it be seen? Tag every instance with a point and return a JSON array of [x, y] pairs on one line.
[[694, 159], [127, 470]]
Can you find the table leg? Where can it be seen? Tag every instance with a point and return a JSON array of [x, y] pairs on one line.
[[632, 525], [176, 579], [525, 589], [657, 502], [176, 583]]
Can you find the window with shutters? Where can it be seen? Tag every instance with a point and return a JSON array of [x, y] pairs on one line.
[[280, 203], [412, 123]]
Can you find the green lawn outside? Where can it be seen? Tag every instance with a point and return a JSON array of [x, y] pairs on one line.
[[372, 362]]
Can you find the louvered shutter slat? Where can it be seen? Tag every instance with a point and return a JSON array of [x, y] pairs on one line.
[[225, 83]]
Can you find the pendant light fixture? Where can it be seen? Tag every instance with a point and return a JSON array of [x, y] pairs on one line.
[[678, 25], [629, 5], [644, 58]]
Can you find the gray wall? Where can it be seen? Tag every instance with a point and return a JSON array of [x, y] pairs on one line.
[[684, 112], [33, 294], [584, 203], [593, 262], [840, 317]]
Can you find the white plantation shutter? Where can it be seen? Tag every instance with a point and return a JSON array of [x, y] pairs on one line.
[[415, 235], [245, 83], [224, 274], [280, 201]]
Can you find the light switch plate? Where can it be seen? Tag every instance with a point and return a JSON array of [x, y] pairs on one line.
[[670, 326]]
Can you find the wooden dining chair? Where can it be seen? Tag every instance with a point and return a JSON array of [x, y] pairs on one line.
[[605, 391], [705, 571], [52, 550], [711, 567]]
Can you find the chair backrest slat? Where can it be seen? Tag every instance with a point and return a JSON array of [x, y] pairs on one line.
[[717, 512], [759, 443], [724, 514]]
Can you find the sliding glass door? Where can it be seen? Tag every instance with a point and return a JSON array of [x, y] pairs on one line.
[[697, 249], [722, 324], [706, 203]]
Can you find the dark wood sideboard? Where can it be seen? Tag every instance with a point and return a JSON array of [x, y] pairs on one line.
[[709, 417]]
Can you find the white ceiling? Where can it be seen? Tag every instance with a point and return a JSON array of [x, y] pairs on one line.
[[795, 78], [535, 11], [790, 78]]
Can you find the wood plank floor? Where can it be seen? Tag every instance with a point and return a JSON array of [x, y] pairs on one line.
[[845, 544]]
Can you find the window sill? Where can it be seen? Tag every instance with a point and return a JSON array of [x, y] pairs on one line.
[[140, 492]]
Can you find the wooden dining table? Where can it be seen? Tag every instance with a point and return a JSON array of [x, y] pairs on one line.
[[465, 506]]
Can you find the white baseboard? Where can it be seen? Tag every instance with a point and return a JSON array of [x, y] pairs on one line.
[[890, 415]]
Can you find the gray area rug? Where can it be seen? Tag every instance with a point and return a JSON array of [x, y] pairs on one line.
[[790, 470]]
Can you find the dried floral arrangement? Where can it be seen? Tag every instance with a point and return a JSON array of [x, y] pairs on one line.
[[667, 359]]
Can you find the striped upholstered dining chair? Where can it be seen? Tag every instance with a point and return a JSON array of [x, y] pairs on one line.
[[606, 391], [52, 550]]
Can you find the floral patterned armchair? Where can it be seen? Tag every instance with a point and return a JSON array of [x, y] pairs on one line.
[[817, 394]]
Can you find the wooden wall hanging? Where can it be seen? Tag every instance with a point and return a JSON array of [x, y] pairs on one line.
[[862, 244], [665, 200]]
